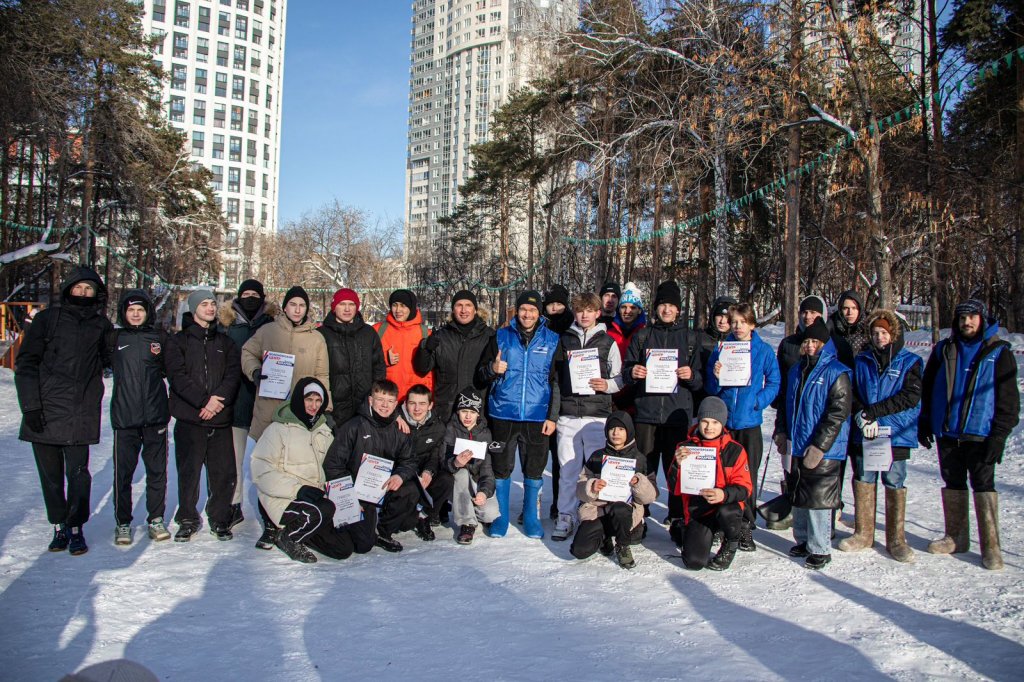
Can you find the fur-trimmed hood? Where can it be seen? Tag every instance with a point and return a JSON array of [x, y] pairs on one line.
[[896, 324], [228, 314]]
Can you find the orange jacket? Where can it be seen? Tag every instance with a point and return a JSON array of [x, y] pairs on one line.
[[403, 338], [733, 475]]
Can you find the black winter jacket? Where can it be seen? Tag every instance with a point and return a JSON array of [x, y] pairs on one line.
[[480, 470], [427, 442], [453, 353], [788, 355], [850, 339], [231, 320], [137, 359], [669, 409], [59, 369], [356, 360], [367, 434], [202, 362]]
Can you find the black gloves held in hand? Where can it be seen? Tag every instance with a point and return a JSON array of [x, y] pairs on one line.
[[35, 421]]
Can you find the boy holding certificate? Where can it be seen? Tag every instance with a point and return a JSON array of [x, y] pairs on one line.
[[370, 448], [613, 488], [713, 493], [467, 443]]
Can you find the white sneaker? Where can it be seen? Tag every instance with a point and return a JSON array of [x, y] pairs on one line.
[[123, 535], [564, 527]]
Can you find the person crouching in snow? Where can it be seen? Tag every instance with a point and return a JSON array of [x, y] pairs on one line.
[[473, 499], [287, 468], [716, 509], [603, 522]]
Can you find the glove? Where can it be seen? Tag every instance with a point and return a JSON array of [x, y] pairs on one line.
[[308, 493], [780, 441], [257, 377], [993, 449], [812, 457], [925, 438], [870, 430], [432, 343], [35, 421], [861, 420]]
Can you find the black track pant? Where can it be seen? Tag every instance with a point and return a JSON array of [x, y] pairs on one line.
[[753, 443], [617, 522], [441, 487], [699, 532], [556, 469], [59, 463], [152, 442], [312, 525], [659, 444], [958, 461], [364, 533], [532, 444], [194, 447], [398, 512]]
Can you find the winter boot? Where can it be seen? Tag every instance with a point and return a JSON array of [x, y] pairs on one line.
[[895, 511], [957, 539], [465, 536], [388, 543], [746, 543], [423, 530], [76, 542], [816, 562], [60, 539], [295, 550], [625, 556], [531, 508], [502, 488], [725, 556], [269, 538], [236, 516], [986, 506], [864, 504]]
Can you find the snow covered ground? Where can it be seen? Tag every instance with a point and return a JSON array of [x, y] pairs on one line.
[[500, 609]]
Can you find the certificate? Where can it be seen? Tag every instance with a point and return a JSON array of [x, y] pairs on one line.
[[373, 472], [698, 471], [662, 364], [278, 369], [342, 492], [477, 447], [617, 472], [878, 451], [735, 359], [584, 365]]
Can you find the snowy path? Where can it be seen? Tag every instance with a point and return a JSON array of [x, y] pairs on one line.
[[500, 609]]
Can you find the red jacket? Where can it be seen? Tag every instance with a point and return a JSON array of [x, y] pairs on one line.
[[623, 399], [733, 475], [404, 338]]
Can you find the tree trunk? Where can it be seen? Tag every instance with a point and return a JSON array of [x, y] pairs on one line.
[[791, 240], [721, 222]]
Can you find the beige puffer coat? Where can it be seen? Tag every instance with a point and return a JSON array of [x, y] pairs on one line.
[[592, 508]]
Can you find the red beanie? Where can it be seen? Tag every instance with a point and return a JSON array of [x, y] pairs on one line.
[[345, 295]]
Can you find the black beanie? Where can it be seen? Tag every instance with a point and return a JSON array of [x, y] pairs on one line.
[[464, 295], [405, 297], [818, 330], [469, 399], [721, 305], [668, 292], [557, 294], [251, 285], [610, 288], [295, 292], [813, 303], [529, 297]]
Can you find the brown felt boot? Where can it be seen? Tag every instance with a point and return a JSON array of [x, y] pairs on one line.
[[957, 539], [864, 501], [986, 506], [895, 511]]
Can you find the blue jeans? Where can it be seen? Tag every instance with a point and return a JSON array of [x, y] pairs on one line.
[[893, 478], [813, 526]]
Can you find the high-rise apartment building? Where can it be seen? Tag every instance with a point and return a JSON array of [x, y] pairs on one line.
[[466, 57], [226, 61]]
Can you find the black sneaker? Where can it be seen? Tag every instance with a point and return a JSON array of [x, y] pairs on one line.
[[747, 539], [60, 539], [608, 546], [268, 539], [236, 516], [435, 521], [295, 550], [423, 531], [816, 562], [799, 550], [388, 544], [625, 556], [222, 533], [186, 530], [725, 556], [465, 536], [76, 542]]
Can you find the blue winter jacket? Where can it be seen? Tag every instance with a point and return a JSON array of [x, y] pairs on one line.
[[978, 401], [818, 406], [746, 403], [523, 393], [873, 385]]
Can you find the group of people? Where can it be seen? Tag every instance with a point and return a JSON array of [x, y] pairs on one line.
[[612, 392]]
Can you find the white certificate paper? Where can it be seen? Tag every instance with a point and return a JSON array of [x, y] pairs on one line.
[[584, 365], [735, 359], [477, 447], [662, 364], [342, 492], [878, 452], [278, 369], [617, 472], [373, 472], [698, 471]]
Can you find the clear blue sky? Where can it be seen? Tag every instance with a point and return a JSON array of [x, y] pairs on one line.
[[346, 74]]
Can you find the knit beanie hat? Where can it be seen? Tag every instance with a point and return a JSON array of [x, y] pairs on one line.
[[882, 323], [721, 306], [529, 297], [251, 285], [818, 330], [557, 294], [469, 399], [813, 303], [971, 306], [631, 295], [197, 297], [345, 294], [295, 292], [668, 292], [713, 407], [610, 288], [464, 295], [405, 297]]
